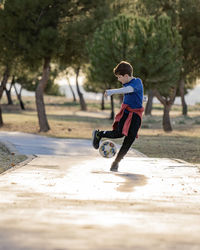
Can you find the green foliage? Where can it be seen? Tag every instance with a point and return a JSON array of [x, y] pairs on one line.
[[185, 16], [111, 43], [157, 53], [32, 27], [52, 89], [79, 30], [26, 82], [7, 52], [157, 8], [152, 46], [189, 15]]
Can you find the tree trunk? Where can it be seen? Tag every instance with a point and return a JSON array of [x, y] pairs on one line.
[[19, 97], [166, 118], [103, 101], [121, 97], [4, 81], [3, 85], [73, 94], [81, 99], [112, 115], [149, 104], [1, 117], [182, 94], [8, 92], [43, 123], [167, 103]]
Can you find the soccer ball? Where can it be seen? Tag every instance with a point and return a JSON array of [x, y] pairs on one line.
[[107, 149]]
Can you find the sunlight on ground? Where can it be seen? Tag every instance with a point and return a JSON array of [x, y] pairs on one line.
[[92, 179], [74, 195]]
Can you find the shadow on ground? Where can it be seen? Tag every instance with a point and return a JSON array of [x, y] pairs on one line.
[[131, 180]]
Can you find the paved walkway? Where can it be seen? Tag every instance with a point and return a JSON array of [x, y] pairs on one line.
[[30, 144], [70, 200]]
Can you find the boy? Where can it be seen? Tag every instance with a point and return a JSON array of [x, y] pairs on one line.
[[128, 120]]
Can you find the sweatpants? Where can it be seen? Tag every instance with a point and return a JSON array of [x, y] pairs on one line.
[[129, 139]]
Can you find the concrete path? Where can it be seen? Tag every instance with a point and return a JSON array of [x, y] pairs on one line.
[[70, 200], [30, 144]]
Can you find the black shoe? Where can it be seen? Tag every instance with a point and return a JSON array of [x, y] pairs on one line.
[[96, 139], [114, 166]]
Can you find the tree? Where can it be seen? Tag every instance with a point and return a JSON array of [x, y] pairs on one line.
[[2, 86], [152, 46], [149, 104], [158, 55], [185, 16], [52, 88], [155, 8], [68, 74], [77, 33], [8, 91], [111, 44], [7, 58], [34, 30], [189, 22], [71, 89]]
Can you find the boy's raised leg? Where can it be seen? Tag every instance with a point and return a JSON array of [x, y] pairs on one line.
[[96, 139]]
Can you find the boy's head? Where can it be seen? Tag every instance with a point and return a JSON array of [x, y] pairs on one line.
[[123, 68], [123, 71]]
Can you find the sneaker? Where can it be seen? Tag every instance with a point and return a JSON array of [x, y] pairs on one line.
[[114, 166], [95, 139]]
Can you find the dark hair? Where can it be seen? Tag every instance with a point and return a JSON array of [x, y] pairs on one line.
[[123, 68]]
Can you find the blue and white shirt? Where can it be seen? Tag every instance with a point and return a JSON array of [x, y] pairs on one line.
[[134, 99]]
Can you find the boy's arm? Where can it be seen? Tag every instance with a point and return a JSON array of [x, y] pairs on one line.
[[124, 90]]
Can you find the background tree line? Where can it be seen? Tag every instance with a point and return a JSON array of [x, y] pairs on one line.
[[40, 39]]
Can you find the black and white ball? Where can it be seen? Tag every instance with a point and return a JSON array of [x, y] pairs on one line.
[[107, 149]]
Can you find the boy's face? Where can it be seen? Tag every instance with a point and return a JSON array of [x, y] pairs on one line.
[[123, 79]]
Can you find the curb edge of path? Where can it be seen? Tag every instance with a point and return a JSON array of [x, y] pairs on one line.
[[20, 164], [138, 153], [12, 149]]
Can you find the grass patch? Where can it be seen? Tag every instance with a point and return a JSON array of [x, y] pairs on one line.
[[166, 146]]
